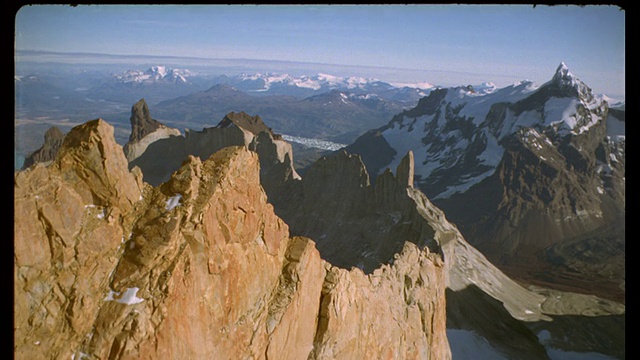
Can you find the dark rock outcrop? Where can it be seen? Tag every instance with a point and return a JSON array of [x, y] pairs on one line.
[[141, 122], [52, 141], [164, 156], [144, 130]]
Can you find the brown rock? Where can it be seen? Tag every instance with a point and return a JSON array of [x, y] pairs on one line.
[[397, 312], [198, 267], [69, 225]]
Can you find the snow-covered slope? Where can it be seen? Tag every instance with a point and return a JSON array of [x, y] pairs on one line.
[[456, 133]]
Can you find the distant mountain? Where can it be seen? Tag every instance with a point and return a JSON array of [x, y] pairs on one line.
[[532, 175], [157, 83], [337, 115], [156, 74], [304, 86]]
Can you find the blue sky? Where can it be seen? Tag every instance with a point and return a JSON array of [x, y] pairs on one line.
[[499, 43]]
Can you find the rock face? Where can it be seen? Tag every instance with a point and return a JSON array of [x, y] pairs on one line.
[[164, 156], [70, 219], [144, 131], [361, 226], [52, 141], [109, 267], [542, 166]]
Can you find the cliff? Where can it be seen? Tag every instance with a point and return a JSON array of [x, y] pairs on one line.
[[110, 267]]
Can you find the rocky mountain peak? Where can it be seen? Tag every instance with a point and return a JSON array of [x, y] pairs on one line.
[[563, 74], [570, 85], [144, 130], [141, 122], [52, 141], [253, 124], [89, 155], [199, 265], [405, 170]]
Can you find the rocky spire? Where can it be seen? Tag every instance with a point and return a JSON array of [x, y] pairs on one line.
[[405, 170], [141, 122]]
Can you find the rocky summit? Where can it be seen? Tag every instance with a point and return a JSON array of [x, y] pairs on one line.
[[108, 266], [163, 156]]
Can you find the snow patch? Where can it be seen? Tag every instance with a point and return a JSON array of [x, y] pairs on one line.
[[464, 186], [492, 153], [172, 202], [81, 355], [420, 85], [403, 140], [564, 111], [129, 297]]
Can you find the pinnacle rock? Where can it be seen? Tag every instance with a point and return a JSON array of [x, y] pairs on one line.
[[141, 122], [405, 170]]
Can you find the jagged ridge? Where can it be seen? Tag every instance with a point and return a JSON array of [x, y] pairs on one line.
[[139, 268]]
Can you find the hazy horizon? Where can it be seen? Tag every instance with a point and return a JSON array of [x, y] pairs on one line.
[[446, 45]]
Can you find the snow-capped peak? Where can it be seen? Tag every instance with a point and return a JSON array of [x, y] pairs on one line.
[[486, 87], [564, 77], [155, 73], [160, 71], [315, 82]]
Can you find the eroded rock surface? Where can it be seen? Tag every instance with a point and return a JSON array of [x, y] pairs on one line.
[[109, 267]]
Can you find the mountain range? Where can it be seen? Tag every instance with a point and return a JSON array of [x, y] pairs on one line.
[[167, 273], [66, 97], [543, 166], [481, 223], [305, 86]]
